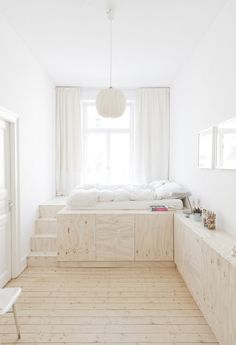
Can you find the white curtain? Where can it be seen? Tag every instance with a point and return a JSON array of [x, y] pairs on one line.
[[151, 135], [68, 139]]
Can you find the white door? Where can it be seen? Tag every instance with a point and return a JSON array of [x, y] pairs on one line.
[[5, 226]]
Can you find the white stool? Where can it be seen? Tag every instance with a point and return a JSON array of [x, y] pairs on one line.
[[8, 297]]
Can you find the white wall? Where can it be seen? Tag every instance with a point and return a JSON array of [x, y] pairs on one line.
[[203, 95], [26, 90]]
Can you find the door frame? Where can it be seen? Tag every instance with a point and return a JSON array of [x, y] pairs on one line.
[[13, 120]]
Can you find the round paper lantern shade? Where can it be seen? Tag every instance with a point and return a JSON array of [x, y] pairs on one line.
[[110, 103]]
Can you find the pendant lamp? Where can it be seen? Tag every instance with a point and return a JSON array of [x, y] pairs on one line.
[[110, 102]]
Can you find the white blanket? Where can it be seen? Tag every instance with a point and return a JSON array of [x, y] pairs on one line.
[[140, 194], [90, 195], [106, 195]]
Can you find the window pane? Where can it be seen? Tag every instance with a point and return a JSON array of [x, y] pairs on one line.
[[94, 120], [205, 149], [226, 144], [119, 158], [107, 146], [226, 149], [96, 167]]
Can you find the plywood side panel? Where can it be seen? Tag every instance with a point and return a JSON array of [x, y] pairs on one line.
[[192, 264], [216, 300], [232, 312], [76, 238], [154, 237], [188, 253], [114, 237], [209, 271], [179, 244]]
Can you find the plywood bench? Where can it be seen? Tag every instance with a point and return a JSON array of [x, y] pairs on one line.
[[205, 262]]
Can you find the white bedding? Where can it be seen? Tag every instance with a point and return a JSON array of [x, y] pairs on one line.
[[131, 205], [127, 197]]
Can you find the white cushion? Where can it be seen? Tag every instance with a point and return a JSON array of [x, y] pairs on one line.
[[82, 197], [171, 190]]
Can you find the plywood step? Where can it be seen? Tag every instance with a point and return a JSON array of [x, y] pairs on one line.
[[43, 242], [46, 226], [42, 259], [49, 211]]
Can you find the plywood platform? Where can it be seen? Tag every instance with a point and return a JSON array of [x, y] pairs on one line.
[[132, 306]]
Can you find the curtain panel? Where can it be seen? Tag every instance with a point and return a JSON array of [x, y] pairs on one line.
[[151, 134], [68, 139]]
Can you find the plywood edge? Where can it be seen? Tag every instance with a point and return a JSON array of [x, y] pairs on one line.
[[121, 264]]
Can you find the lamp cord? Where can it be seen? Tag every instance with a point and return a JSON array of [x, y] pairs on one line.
[[110, 17]]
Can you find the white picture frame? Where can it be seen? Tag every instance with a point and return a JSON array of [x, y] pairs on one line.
[[225, 144], [206, 148]]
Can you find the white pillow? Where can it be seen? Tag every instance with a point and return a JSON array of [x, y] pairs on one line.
[[106, 195], [82, 197], [171, 190]]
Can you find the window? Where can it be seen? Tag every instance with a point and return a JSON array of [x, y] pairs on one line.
[[226, 145], [107, 146]]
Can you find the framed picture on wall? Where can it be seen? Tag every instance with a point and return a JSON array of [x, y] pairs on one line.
[[226, 144], [205, 148]]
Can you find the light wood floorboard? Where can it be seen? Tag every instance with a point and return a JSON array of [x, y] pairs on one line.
[[132, 306]]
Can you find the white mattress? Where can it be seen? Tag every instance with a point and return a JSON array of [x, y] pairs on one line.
[[131, 205]]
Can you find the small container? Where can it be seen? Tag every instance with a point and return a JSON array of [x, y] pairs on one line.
[[197, 217], [204, 217], [211, 220]]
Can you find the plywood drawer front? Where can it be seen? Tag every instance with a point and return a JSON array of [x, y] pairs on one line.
[[114, 237], [154, 237], [76, 238]]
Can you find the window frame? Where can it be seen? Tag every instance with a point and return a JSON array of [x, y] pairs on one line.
[[108, 132]]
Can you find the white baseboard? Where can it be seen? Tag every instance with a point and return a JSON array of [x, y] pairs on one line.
[[23, 263], [21, 267]]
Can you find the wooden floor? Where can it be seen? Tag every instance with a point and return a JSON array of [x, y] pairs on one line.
[[135, 306]]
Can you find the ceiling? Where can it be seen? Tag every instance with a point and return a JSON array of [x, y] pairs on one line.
[[152, 38]]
